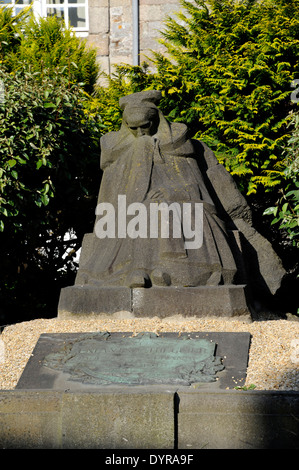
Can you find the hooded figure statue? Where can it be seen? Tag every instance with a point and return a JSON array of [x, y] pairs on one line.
[[150, 162]]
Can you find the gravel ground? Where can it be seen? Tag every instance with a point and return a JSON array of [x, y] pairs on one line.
[[273, 358]]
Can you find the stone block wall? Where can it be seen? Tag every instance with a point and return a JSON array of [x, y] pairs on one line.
[[111, 29], [149, 419]]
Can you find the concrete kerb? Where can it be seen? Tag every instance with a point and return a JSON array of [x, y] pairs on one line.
[[86, 420], [234, 419], [149, 418]]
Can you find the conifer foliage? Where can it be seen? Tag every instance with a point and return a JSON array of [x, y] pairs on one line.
[[46, 44], [42, 46], [228, 71]]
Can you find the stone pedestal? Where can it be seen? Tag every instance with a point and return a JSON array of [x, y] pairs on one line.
[[205, 301]]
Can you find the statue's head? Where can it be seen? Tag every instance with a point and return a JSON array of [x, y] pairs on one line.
[[141, 114], [141, 121]]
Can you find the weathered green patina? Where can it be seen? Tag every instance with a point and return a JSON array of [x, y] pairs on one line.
[[101, 358]]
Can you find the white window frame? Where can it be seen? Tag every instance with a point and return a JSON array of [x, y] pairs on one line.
[[40, 9], [44, 5]]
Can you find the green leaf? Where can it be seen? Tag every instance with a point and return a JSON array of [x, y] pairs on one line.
[[46, 188], [294, 223], [21, 160], [285, 207], [45, 199], [12, 162], [270, 211], [293, 193], [3, 210], [33, 146]]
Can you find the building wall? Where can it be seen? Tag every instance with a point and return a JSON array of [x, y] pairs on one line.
[[111, 29]]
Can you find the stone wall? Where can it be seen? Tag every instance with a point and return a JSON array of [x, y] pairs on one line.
[[149, 419], [111, 28]]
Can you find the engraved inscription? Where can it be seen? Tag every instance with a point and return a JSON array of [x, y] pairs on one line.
[[102, 359]]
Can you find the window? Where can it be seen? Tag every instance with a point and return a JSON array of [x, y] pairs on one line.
[[74, 12]]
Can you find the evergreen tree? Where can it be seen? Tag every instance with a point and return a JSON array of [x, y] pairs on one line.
[[41, 45], [228, 72]]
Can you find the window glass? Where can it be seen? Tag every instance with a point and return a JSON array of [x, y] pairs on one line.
[[56, 2], [77, 17], [59, 12], [74, 12]]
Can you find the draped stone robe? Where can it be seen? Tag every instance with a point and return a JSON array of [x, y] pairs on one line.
[[148, 169]]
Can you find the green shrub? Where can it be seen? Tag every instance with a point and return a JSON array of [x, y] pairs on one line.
[[286, 209], [229, 73], [44, 133], [49, 179], [10, 32], [43, 45], [49, 160]]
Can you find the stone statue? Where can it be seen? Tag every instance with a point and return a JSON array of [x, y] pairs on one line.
[[151, 163]]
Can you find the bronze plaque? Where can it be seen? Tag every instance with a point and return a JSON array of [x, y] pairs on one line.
[[104, 359]]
